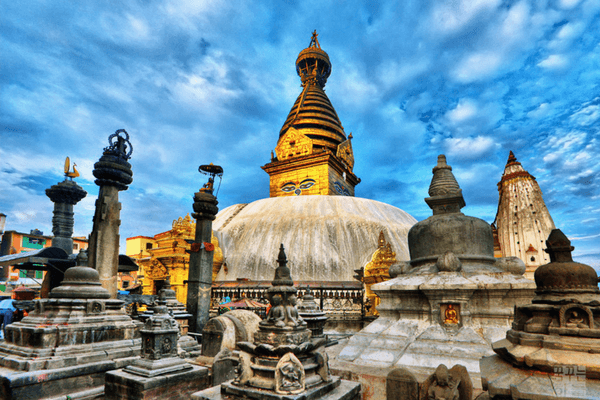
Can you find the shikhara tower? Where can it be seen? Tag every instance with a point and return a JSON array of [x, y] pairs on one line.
[[522, 222], [313, 155]]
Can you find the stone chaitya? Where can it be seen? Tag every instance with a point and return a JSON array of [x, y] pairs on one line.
[[283, 362], [160, 372], [310, 312], [68, 342], [553, 348], [451, 301]]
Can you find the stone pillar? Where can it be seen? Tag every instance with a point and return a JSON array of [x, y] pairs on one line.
[[113, 174], [64, 195], [201, 258]]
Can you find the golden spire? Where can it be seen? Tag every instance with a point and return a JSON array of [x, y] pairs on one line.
[[312, 113]]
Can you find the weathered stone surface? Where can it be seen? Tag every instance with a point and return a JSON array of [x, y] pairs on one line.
[[121, 385], [452, 302], [223, 367], [66, 344], [402, 385], [553, 348]]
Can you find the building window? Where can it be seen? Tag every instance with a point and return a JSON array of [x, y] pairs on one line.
[[39, 274], [148, 246], [125, 284], [75, 246]]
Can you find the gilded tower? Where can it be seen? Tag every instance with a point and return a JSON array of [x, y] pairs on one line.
[[522, 222], [313, 155]]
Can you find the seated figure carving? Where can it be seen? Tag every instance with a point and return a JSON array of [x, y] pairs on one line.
[[575, 320], [451, 316], [276, 314], [292, 313]]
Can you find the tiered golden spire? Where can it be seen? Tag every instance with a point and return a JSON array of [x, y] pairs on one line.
[[312, 113]]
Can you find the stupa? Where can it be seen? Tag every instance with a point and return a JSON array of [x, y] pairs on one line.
[[451, 301], [553, 348], [283, 362], [311, 207], [523, 221], [68, 342]]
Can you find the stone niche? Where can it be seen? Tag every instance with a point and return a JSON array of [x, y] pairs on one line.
[[68, 342]]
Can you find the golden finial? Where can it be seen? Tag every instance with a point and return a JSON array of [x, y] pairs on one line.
[[69, 174], [314, 42]]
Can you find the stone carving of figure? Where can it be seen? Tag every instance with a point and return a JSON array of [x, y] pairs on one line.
[[451, 316], [290, 378], [276, 314], [292, 312], [444, 384], [575, 320]]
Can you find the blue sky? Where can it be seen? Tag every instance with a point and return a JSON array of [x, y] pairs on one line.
[[195, 82]]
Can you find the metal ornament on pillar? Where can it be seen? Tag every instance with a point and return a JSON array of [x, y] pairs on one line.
[[113, 173], [201, 254]]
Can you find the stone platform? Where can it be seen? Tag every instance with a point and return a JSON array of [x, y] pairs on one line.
[[124, 385], [337, 389]]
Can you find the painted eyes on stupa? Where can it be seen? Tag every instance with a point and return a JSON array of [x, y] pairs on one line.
[[305, 184], [291, 186]]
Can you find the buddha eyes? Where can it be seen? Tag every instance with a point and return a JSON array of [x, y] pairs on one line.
[[289, 187], [305, 184]]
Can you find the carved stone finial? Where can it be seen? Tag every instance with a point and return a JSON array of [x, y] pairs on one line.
[[446, 195], [559, 247], [282, 273]]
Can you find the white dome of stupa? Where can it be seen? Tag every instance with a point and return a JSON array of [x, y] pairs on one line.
[[325, 237]]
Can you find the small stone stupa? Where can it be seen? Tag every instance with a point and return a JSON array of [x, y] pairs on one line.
[[451, 301], [283, 362], [160, 371], [68, 342], [553, 348]]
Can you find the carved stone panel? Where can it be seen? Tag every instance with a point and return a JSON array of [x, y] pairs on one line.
[[289, 375]]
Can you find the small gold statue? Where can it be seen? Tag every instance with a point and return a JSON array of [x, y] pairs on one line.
[[69, 174], [451, 316]]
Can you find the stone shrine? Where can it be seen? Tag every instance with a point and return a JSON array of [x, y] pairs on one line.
[[553, 348], [283, 362], [451, 301], [65, 346], [159, 373], [310, 312]]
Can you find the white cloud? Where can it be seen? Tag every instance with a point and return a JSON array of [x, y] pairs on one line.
[[477, 66], [451, 16], [568, 4], [465, 110], [470, 148], [542, 111], [586, 116], [554, 62]]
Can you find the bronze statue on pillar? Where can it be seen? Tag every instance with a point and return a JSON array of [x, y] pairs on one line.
[[201, 253], [113, 173]]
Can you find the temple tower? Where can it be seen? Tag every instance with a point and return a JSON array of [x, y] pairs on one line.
[[313, 155], [522, 222]]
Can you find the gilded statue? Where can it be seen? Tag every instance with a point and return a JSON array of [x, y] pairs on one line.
[[450, 315]]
